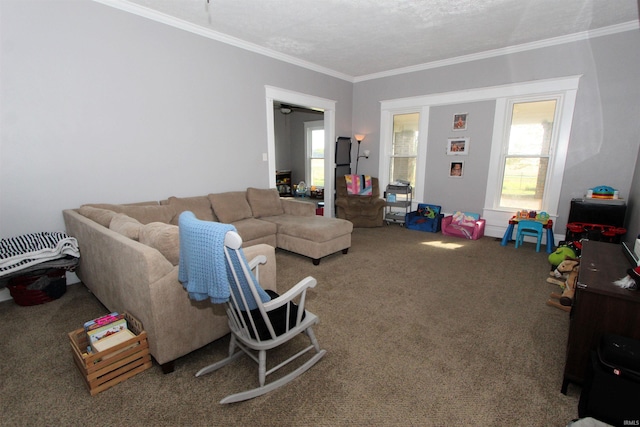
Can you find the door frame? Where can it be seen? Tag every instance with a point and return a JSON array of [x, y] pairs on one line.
[[310, 101]]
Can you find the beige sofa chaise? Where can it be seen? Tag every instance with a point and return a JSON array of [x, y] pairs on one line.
[[129, 257]]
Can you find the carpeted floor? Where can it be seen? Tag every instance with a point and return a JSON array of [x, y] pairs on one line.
[[420, 329]]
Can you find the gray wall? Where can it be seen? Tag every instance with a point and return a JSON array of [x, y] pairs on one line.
[[467, 192], [100, 105], [605, 134]]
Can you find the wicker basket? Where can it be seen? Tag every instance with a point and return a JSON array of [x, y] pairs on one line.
[[25, 291]]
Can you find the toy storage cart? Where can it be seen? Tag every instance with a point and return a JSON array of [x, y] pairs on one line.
[[398, 198]]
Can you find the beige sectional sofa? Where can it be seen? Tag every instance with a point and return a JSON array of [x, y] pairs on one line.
[[129, 257]]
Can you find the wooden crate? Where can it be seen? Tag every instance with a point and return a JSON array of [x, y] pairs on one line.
[[107, 368]]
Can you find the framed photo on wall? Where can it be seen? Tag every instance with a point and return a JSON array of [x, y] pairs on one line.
[[456, 169], [460, 121], [457, 146]]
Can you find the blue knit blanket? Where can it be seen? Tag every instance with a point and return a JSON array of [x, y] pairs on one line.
[[203, 269]]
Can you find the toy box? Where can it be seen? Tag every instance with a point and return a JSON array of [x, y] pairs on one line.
[[426, 218]]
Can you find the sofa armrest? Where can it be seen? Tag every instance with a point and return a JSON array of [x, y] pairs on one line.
[[479, 229], [297, 207]]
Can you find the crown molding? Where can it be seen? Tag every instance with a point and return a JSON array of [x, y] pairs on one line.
[[214, 35], [154, 15], [555, 41]]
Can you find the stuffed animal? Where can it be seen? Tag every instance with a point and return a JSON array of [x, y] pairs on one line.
[[631, 280], [427, 211], [560, 254], [571, 267]]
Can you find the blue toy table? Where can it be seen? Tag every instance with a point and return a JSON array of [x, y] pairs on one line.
[[508, 234]]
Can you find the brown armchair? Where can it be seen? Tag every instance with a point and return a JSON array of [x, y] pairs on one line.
[[362, 211]]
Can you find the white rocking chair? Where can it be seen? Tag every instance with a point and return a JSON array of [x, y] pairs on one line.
[[258, 330]]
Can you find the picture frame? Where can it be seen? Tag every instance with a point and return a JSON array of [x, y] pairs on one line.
[[457, 146], [460, 121], [456, 169]]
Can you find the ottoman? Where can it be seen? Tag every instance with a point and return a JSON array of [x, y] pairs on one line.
[[312, 236]]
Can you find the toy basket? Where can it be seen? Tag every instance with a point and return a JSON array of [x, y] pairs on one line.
[[38, 287]]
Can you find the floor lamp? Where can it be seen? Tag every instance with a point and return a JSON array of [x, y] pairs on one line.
[[359, 138]]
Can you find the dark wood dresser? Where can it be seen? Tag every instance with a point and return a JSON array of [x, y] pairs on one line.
[[599, 307]]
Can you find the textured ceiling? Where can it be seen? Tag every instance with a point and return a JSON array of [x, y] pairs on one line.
[[365, 37]]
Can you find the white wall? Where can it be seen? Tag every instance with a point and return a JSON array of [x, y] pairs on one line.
[[99, 105], [605, 135]]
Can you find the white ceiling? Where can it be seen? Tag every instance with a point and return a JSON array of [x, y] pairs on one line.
[[356, 39]]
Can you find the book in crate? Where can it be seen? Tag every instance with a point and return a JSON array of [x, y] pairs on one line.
[[105, 326], [104, 369]]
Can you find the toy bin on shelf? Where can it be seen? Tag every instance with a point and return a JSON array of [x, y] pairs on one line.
[[426, 218], [114, 365]]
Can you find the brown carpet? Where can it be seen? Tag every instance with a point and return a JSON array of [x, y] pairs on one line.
[[420, 329]]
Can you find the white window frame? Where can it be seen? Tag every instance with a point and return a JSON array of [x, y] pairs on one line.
[[309, 127], [549, 187], [386, 147], [565, 94]]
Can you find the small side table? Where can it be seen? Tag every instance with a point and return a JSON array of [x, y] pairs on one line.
[[508, 234]]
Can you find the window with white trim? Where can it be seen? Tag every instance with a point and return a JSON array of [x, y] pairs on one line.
[[527, 153], [314, 143], [404, 147]]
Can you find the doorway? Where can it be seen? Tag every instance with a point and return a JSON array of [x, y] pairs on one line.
[[275, 97]]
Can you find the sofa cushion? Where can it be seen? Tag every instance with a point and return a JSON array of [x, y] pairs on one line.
[[315, 228], [101, 216], [125, 225], [199, 205], [231, 206], [292, 206], [465, 219], [252, 229], [164, 238], [264, 202], [144, 213]]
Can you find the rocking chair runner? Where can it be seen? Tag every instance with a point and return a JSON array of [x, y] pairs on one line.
[[258, 326]]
